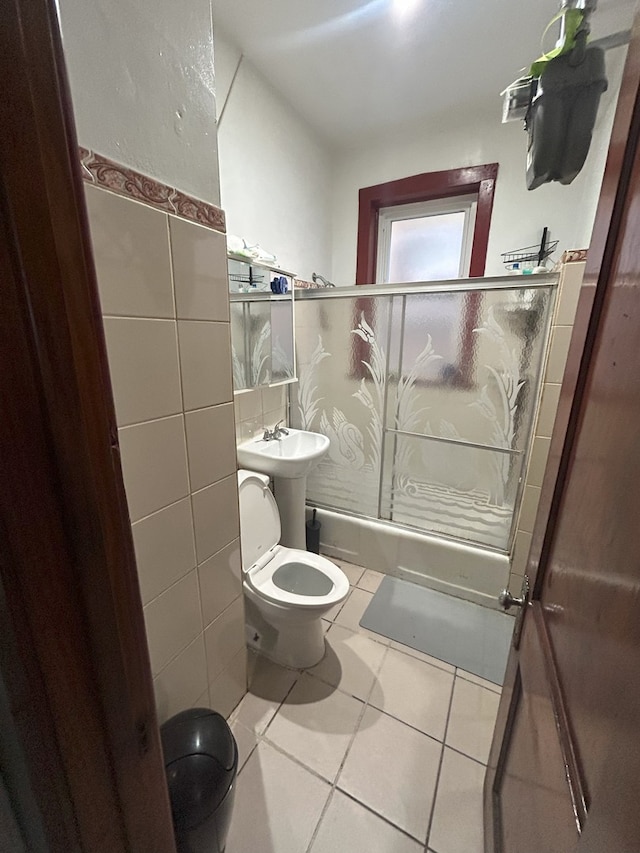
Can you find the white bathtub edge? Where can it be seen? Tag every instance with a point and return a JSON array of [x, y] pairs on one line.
[[464, 571]]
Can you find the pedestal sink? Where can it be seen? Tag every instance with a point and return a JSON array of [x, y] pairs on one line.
[[288, 460]]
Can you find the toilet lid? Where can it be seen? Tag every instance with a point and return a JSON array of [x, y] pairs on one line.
[[259, 519]]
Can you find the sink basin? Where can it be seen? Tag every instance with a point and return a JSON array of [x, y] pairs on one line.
[[291, 456]]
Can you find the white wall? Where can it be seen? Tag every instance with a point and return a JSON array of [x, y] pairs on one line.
[[275, 173], [142, 83], [464, 140]]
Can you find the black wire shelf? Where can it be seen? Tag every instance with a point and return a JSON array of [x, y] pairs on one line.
[[532, 254]]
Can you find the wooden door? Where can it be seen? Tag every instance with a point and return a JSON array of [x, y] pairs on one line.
[[564, 770], [80, 759]]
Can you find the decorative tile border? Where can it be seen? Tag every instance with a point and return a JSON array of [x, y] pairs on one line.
[[124, 181], [299, 284], [573, 255], [570, 256]]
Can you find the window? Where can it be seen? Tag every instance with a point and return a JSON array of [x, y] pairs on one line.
[[426, 241], [468, 190], [452, 207]]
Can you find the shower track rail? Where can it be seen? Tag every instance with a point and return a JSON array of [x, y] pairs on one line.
[[529, 282]]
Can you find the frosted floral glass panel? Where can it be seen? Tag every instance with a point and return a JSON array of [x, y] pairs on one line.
[[428, 399], [239, 353], [468, 365], [340, 393], [282, 362], [259, 342], [261, 339], [454, 489]]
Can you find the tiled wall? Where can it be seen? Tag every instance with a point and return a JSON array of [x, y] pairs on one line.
[[566, 304], [258, 409], [164, 295]]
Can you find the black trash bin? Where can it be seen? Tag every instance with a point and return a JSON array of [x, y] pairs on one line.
[[201, 762]]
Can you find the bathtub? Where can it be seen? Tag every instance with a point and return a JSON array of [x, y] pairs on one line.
[[465, 571]]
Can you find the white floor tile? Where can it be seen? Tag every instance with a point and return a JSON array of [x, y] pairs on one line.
[[351, 661], [348, 826], [457, 820], [392, 768], [316, 725], [246, 741], [370, 580], [331, 614], [469, 676], [422, 656], [414, 692], [353, 608], [352, 612], [277, 807], [472, 719], [354, 573], [268, 686]]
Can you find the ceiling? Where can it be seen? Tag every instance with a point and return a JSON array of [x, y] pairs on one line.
[[357, 68]]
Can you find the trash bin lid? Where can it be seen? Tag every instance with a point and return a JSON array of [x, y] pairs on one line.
[[201, 759], [198, 731]]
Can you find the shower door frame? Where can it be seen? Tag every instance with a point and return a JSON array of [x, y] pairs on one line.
[[404, 290]]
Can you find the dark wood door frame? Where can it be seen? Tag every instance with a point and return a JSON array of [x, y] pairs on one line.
[[73, 654], [625, 136], [602, 255], [470, 180]]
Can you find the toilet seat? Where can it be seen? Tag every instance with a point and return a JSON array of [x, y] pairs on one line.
[[313, 582], [279, 591]]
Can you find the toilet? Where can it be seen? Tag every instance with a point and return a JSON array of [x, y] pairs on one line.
[[287, 591]]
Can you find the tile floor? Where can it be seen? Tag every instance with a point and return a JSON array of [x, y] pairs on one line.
[[377, 749]]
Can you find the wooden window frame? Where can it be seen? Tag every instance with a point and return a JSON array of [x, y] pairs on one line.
[[430, 186], [479, 181]]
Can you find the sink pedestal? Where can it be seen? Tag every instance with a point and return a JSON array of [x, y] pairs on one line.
[[290, 497]]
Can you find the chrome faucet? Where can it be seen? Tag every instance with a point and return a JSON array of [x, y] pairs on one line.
[[277, 432]]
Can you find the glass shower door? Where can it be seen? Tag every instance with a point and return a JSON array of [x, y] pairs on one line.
[[462, 391], [428, 396], [341, 393]]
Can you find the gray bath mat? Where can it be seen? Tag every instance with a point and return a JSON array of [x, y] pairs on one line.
[[459, 632]]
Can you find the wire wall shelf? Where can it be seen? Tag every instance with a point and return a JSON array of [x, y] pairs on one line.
[[248, 278], [536, 254]]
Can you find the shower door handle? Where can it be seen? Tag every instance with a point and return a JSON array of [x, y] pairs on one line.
[[507, 601]]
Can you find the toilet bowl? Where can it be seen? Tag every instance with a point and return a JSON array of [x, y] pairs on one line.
[[287, 591]]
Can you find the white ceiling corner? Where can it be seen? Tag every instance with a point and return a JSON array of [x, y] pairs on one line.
[[358, 68]]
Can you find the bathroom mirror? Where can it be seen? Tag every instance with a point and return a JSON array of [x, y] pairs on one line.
[[262, 330]]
